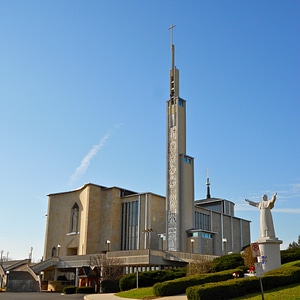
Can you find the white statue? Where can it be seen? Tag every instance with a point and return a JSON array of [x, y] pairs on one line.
[[266, 220]]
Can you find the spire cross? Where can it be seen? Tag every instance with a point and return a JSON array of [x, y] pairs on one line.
[[171, 33], [172, 46]]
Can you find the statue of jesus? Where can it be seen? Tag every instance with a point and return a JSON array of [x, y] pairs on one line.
[[266, 220]]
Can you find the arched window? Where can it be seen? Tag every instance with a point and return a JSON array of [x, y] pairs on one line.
[[53, 252], [74, 218]]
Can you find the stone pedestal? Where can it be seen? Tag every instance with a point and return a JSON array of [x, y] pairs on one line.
[[269, 253]]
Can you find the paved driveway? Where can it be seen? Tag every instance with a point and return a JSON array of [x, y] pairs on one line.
[[39, 296]]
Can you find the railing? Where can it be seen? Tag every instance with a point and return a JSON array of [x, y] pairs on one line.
[[184, 256], [18, 264], [37, 268], [130, 257]]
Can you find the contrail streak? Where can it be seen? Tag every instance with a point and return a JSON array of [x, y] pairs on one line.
[[87, 159]]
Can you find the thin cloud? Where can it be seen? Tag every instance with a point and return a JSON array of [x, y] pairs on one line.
[[287, 195], [81, 169], [287, 210], [246, 207]]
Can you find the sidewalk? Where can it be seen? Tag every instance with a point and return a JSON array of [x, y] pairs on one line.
[[113, 297]]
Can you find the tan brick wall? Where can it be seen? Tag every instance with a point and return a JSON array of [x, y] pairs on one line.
[[59, 222]]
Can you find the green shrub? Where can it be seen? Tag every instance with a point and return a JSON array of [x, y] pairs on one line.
[[128, 282], [110, 286], [290, 255], [227, 262], [223, 290], [85, 290], [199, 266], [178, 286], [281, 276], [239, 287], [69, 290]]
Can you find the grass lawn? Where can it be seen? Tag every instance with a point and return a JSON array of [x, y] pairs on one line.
[[290, 292], [141, 293]]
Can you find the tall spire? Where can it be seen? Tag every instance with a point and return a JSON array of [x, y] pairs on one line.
[[174, 73], [207, 185], [172, 45]]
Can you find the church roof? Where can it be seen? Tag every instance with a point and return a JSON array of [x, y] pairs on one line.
[[210, 201]]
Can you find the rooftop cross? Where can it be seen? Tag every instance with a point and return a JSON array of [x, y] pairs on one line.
[[171, 33], [172, 46]]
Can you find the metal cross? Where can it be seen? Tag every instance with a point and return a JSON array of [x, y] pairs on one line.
[[171, 33]]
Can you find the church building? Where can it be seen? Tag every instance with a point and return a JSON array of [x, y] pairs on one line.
[[143, 229]]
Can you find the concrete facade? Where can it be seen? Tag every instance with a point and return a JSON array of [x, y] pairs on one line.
[[101, 224], [115, 219]]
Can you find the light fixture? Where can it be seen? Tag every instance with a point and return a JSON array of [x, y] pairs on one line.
[[108, 243], [58, 249], [192, 242]]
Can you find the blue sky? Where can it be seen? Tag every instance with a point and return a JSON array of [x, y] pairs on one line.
[[83, 89]]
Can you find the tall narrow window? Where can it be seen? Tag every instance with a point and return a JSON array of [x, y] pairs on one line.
[[202, 221], [74, 218], [129, 231]]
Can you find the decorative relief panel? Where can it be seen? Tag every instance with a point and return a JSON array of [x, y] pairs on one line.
[[172, 184]]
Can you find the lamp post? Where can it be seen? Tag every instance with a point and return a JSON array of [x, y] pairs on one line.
[[192, 243], [108, 244], [55, 271], [7, 276], [58, 249], [224, 243], [2, 256], [161, 241], [41, 278], [30, 254]]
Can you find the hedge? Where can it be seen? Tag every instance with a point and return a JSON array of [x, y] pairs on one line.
[[69, 290], [240, 287], [227, 262], [85, 290], [290, 255], [79, 290], [146, 279], [110, 286], [178, 286]]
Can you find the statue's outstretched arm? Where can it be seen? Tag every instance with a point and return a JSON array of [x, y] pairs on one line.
[[274, 198], [252, 203]]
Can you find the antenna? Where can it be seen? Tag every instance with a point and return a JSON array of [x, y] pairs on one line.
[[207, 173]]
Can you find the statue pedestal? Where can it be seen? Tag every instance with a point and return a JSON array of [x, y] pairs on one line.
[[269, 253]]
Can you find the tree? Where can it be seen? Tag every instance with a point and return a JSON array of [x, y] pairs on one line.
[[199, 266], [111, 268], [247, 255], [295, 245]]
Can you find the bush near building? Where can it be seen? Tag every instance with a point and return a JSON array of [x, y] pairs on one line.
[[110, 286], [240, 287], [69, 290], [179, 286], [227, 262], [85, 290], [289, 255], [149, 278], [79, 290]]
